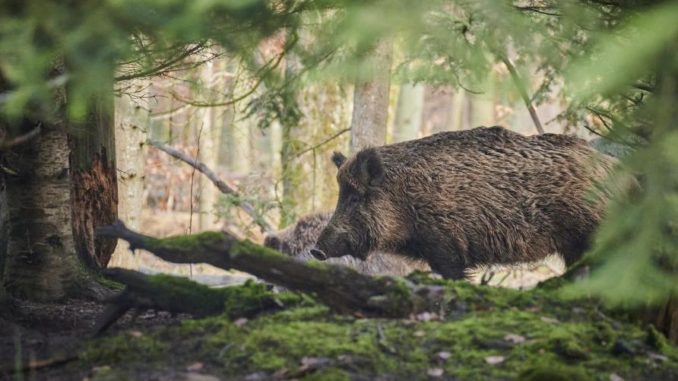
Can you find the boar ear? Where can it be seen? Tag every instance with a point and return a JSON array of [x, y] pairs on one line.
[[370, 167], [338, 158]]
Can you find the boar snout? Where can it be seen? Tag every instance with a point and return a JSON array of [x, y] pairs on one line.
[[333, 243]]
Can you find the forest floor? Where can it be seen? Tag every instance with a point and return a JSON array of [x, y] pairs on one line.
[[480, 333]]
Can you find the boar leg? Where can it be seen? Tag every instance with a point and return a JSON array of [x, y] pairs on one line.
[[449, 266]]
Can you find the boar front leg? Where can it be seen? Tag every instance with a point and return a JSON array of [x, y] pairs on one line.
[[446, 265]]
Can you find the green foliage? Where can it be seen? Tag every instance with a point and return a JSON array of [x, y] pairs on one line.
[[637, 246], [613, 63]]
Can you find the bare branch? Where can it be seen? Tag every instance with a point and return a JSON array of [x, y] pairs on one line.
[[224, 188], [7, 144], [314, 147], [164, 65], [261, 74], [522, 89]]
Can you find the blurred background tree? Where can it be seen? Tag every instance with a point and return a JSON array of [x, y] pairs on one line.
[[264, 90]]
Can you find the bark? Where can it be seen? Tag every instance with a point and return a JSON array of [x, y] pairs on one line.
[[94, 182], [131, 126], [291, 176], [3, 232], [458, 102], [41, 263], [370, 101], [342, 289], [208, 154], [665, 318], [291, 169], [408, 113]]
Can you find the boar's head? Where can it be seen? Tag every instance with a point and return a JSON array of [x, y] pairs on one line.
[[366, 218]]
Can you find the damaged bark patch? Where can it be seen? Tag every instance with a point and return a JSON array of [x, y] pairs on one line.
[[95, 200]]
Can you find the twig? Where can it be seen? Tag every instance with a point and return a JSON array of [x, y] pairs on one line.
[[6, 144], [224, 188], [163, 66], [40, 364], [312, 148], [522, 89], [261, 73]]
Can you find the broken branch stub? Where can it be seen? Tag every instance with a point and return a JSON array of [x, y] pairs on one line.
[[340, 288]]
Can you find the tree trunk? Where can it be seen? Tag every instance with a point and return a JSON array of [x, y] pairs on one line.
[[291, 170], [370, 100], [458, 102], [41, 262], [3, 232], [408, 112], [208, 154], [131, 126], [94, 182]]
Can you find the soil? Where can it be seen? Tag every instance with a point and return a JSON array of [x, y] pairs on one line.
[[53, 335]]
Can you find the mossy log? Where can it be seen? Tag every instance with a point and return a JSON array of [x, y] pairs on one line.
[[181, 295], [340, 288]]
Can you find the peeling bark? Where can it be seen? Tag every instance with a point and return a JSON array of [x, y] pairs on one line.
[[94, 183], [95, 200]]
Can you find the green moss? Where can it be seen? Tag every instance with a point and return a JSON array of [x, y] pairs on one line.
[[557, 339], [657, 340], [554, 373], [252, 248], [328, 374], [122, 348], [188, 242]]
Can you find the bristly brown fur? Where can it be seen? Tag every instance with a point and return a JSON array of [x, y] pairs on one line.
[[468, 198]]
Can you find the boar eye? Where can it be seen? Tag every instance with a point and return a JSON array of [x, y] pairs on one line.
[[353, 198]]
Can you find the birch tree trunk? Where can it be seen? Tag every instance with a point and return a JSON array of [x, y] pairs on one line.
[[208, 154], [131, 130], [370, 100], [409, 111]]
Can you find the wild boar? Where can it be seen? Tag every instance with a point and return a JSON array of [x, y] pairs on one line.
[[464, 199], [297, 241]]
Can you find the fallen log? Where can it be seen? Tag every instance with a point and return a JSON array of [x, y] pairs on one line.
[[340, 288], [181, 295]]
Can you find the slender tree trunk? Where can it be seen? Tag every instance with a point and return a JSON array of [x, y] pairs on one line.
[[208, 154], [458, 110], [291, 170], [131, 129], [370, 100], [408, 112], [94, 182], [4, 215]]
